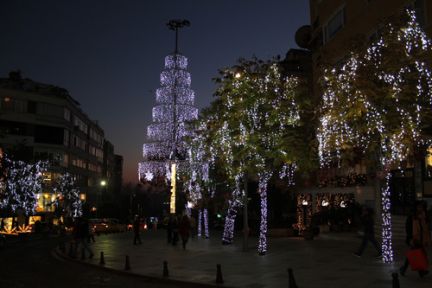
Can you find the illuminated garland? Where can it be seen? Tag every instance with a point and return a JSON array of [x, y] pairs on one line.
[[390, 118], [175, 108]]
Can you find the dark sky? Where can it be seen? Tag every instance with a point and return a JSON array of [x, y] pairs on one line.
[[109, 53]]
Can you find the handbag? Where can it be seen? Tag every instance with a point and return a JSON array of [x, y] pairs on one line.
[[417, 259]]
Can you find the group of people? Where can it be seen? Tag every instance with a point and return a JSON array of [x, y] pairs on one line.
[[82, 236], [178, 225], [418, 237]]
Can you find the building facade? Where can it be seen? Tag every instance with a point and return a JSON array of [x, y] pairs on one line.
[[43, 122]]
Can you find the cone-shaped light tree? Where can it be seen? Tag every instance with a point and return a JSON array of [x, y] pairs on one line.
[[165, 152], [379, 103]]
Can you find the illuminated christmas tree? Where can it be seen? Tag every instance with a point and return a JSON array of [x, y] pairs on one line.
[[165, 151]]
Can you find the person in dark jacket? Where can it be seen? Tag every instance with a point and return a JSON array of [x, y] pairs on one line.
[[136, 230], [367, 221], [184, 230], [83, 234]]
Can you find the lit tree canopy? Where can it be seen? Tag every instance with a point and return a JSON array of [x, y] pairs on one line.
[[252, 128], [379, 103], [380, 99], [68, 202], [21, 183]]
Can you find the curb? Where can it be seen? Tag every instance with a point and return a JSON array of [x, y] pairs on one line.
[[154, 279]]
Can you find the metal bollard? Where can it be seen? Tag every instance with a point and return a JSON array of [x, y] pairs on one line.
[[219, 279], [127, 264], [165, 269], [71, 250], [102, 258], [291, 281], [395, 281]]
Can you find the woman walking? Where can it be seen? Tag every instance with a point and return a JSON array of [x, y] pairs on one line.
[[418, 236]]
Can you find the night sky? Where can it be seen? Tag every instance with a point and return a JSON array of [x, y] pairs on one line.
[[109, 54]]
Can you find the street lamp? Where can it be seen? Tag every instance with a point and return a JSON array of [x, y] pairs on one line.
[[103, 184]]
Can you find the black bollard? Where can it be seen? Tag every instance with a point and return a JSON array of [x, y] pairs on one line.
[[395, 277], [165, 269], [102, 259], [71, 250], [82, 254], [127, 264], [219, 279], [291, 281], [62, 247]]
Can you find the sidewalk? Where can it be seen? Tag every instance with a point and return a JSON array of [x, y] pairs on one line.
[[326, 261]]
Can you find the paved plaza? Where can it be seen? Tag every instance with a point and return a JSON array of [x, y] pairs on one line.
[[326, 261]]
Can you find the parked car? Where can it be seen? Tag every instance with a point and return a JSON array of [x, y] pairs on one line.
[[107, 225]]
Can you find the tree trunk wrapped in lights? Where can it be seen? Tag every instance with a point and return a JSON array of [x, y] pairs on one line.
[[380, 101]]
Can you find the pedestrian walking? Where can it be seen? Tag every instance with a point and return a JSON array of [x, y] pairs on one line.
[[367, 221], [169, 227], [193, 226], [418, 238], [83, 235], [136, 230], [184, 230], [175, 230], [91, 237]]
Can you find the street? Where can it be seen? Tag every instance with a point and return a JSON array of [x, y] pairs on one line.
[[31, 264]]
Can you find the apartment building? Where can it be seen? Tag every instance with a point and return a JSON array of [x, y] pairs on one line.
[[43, 122]]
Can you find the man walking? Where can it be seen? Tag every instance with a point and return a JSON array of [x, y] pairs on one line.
[[136, 229], [368, 233]]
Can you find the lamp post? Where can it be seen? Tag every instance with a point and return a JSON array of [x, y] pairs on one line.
[[103, 184], [175, 25]]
